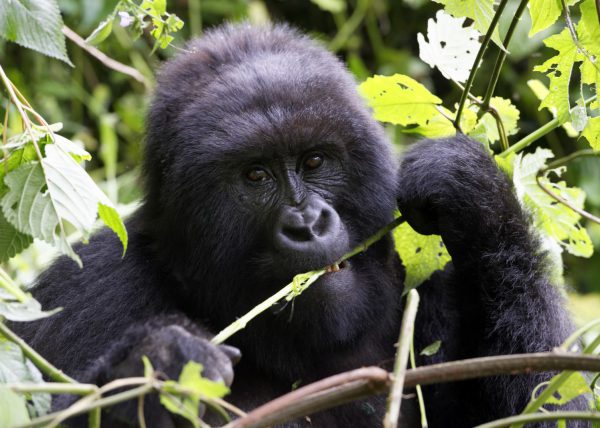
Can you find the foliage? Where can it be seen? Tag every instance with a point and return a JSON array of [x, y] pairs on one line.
[[47, 194]]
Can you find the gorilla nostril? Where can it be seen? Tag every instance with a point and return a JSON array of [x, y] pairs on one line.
[[297, 234], [323, 224]]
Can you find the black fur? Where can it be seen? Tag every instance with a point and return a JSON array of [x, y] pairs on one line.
[[203, 245]]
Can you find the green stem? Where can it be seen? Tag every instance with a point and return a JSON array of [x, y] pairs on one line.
[[102, 403], [292, 288], [53, 388], [538, 133], [502, 54], [341, 38], [478, 58], [540, 417], [39, 361], [195, 17], [392, 415], [420, 399]]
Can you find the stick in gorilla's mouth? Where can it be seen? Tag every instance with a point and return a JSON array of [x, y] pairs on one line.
[[336, 267]]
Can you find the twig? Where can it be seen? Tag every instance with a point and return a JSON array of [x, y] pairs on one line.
[[40, 362], [105, 59], [241, 322], [420, 399], [540, 417], [478, 58], [560, 162], [350, 26], [364, 382], [538, 133], [392, 414]]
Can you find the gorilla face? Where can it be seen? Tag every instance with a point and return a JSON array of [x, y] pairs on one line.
[[273, 167]]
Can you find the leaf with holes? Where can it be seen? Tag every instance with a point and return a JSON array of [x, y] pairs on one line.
[[509, 115], [480, 11], [452, 48], [34, 24], [400, 100], [558, 69], [421, 255], [556, 220]]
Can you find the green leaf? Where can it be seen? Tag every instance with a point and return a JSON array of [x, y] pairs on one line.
[[34, 24], [558, 69], [26, 205], [509, 115], [191, 378], [541, 91], [180, 406], [333, 6], [112, 219], [13, 408], [543, 13], [15, 368], [556, 220], [30, 310], [452, 48], [12, 241], [432, 349], [101, 32], [575, 386], [592, 132], [421, 255], [148, 369], [400, 100], [480, 11]]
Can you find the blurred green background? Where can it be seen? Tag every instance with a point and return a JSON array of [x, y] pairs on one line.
[[105, 110]]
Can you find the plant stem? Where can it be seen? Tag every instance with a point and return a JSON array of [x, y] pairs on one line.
[[540, 417], [502, 55], [478, 58], [53, 388], [350, 26], [421, 400], [241, 322], [392, 414], [538, 133], [560, 162], [40, 362]]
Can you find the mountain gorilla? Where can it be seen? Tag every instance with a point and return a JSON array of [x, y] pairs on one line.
[[262, 162]]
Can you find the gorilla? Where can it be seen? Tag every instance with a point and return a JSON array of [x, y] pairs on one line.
[[262, 162]]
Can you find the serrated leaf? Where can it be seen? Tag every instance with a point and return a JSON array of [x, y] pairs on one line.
[[442, 125], [400, 100], [574, 386], [12, 241], [431, 349], [480, 11], [541, 91], [191, 378], [76, 197], [102, 31], [592, 132], [558, 69], [544, 13], [554, 219], [451, 48], [26, 205], [421, 255], [34, 24]]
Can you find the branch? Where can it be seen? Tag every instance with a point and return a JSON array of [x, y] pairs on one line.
[[540, 417], [105, 59], [365, 382], [39, 361], [404, 341]]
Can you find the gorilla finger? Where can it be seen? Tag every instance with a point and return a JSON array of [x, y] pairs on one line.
[[234, 354]]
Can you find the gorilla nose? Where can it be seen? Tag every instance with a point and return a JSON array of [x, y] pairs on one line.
[[299, 229]]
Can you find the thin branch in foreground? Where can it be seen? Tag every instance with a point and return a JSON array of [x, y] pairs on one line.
[[39, 361], [105, 59], [540, 417], [366, 382], [392, 414]]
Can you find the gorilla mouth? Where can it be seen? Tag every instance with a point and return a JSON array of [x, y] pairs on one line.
[[336, 267]]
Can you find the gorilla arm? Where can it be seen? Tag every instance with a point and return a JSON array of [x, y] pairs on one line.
[[496, 297]]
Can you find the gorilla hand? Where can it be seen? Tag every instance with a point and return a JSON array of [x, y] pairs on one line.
[[168, 346], [453, 188]]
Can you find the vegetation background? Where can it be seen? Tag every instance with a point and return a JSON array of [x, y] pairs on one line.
[[105, 110]]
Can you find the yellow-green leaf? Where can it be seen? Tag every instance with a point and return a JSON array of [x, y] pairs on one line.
[[544, 13], [592, 132]]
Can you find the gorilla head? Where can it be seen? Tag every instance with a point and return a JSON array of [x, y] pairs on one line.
[[262, 162]]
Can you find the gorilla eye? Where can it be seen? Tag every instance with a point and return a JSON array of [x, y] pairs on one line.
[[313, 161], [257, 175]]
